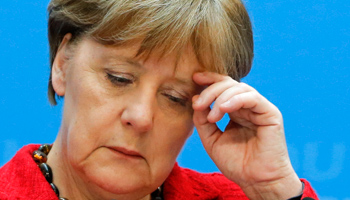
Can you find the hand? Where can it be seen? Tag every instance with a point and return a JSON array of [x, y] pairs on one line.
[[252, 150]]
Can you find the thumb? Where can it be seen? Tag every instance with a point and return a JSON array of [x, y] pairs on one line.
[[208, 132]]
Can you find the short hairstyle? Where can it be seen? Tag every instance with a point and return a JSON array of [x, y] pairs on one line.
[[219, 31]]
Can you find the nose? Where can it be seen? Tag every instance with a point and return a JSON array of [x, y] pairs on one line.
[[139, 112]]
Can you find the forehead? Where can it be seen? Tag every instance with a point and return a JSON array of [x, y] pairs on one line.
[[175, 66], [184, 59]]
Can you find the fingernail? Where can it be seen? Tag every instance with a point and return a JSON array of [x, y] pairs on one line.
[[213, 113], [198, 101]]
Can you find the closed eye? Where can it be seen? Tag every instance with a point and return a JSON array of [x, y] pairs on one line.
[[119, 80], [178, 100]]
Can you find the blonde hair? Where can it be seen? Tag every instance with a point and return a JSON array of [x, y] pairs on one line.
[[219, 31]]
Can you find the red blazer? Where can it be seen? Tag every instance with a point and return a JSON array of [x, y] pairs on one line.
[[21, 179]]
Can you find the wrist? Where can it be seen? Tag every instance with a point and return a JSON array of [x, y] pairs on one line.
[[281, 189], [300, 195]]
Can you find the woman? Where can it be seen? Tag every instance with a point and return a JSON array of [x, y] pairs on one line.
[[136, 77]]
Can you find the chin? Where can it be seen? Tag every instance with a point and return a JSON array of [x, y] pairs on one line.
[[117, 177]]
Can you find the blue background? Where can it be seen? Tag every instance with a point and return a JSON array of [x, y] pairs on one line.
[[302, 57]]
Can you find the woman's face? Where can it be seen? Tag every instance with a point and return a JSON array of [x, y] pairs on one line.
[[125, 119]]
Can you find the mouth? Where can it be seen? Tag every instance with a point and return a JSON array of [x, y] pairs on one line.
[[126, 152]]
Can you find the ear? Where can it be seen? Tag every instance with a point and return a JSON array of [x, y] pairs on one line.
[[60, 65]]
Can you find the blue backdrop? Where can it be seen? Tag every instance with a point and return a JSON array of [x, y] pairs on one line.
[[302, 57]]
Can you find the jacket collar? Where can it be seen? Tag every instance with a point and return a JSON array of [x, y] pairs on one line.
[[187, 184]]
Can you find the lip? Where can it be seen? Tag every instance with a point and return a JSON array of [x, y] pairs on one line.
[[126, 152]]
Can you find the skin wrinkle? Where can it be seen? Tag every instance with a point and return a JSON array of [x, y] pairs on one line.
[[104, 110], [189, 84], [98, 114], [219, 32]]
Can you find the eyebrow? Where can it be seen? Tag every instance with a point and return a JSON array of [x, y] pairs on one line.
[[183, 81], [128, 60], [192, 87], [132, 62]]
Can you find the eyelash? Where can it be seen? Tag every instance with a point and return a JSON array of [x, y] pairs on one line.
[[122, 81], [119, 80], [177, 100]]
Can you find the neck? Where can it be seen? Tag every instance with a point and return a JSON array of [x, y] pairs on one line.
[[63, 178], [70, 183]]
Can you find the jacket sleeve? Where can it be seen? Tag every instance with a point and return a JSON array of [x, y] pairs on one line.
[[308, 193]]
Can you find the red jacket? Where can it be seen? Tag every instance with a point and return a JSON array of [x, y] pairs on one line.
[[21, 179]]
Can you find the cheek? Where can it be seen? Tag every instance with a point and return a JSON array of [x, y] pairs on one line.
[[173, 135], [86, 134], [166, 143], [88, 118]]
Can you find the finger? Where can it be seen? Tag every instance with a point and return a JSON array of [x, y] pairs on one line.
[[243, 117], [216, 114], [208, 78], [208, 132], [262, 112], [208, 95]]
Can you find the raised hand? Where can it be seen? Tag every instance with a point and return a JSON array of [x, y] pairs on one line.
[[252, 150]]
